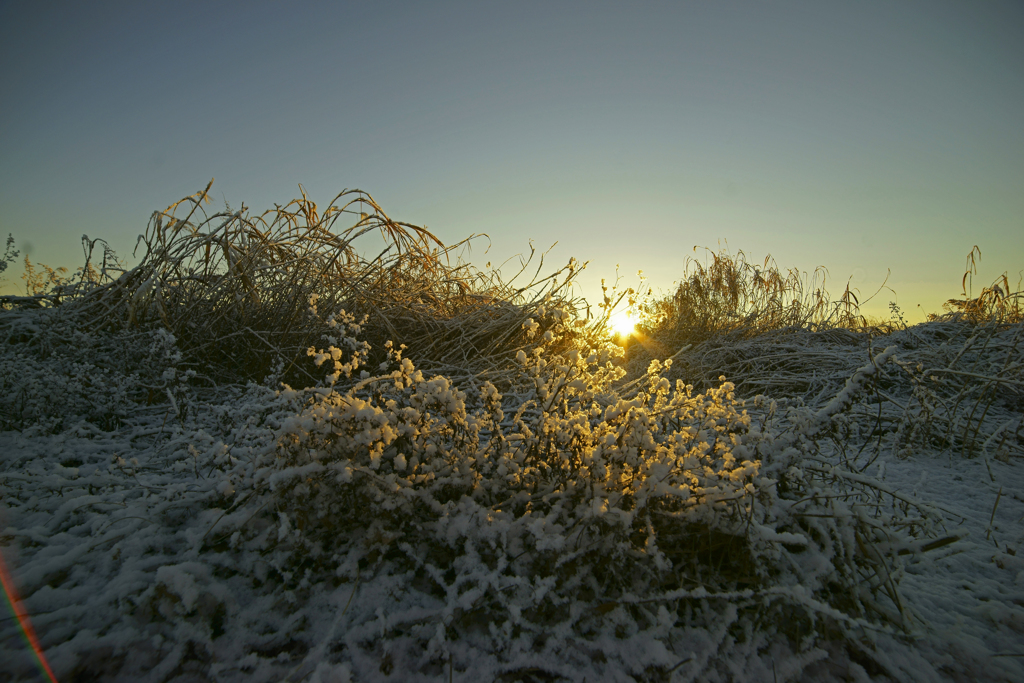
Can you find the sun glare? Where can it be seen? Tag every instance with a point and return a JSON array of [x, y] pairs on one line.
[[623, 323]]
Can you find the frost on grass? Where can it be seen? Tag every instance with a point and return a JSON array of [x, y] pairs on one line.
[[541, 518]]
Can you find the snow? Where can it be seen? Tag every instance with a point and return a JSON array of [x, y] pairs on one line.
[[180, 542]]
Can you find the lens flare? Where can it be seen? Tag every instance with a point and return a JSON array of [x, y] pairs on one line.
[[18, 608]]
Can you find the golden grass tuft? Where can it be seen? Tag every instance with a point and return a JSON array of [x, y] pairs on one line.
[[236, 289], [996, 303], [729, 295]]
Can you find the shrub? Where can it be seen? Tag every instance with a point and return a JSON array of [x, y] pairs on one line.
[[562, 515], [55, 374]]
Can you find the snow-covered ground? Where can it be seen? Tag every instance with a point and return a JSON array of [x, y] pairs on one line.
[[149, 549]]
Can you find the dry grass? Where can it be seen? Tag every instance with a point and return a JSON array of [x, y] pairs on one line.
[[765, 328], [780, 332], [996, 303], [729, 295], [235, 290]]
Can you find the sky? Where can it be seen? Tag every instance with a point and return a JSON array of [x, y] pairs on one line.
[[868, 138]]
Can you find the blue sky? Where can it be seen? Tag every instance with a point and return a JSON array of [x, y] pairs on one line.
[[863, 137]]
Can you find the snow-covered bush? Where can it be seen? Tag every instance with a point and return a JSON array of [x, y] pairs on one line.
[[56, 371], [563, 515]]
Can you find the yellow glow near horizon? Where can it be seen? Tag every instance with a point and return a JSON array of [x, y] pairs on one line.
[[623, 323]]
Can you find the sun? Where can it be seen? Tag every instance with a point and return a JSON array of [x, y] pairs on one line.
[[623, 323]]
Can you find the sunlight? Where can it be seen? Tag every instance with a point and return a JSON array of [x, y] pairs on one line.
[[623, 323]]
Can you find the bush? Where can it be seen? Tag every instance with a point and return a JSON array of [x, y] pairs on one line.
[[563, 515], [55, 374]]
